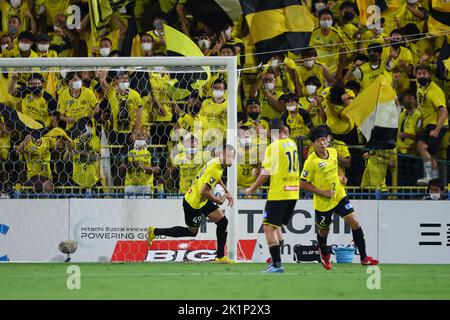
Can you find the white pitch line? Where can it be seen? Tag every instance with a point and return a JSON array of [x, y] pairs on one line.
[[147, 274]]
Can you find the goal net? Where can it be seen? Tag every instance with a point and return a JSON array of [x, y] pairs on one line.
[[114, 127]]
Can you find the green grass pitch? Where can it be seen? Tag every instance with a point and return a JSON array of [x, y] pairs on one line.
[[163, 281]]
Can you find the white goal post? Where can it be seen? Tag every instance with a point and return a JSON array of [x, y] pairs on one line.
[[230, 63]]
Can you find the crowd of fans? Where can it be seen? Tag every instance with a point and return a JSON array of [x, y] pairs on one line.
[[157, 141]]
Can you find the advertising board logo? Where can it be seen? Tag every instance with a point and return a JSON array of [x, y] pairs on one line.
[[176, 250], [4, 230], [434, 234]]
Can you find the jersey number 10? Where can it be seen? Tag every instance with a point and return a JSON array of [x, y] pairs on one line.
[[293, 160]]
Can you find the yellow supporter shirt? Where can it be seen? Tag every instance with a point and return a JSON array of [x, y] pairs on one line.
[[77, 108], [247, 161], [136, 177], [210, 174], [131, 100], [37, 157], [189, 167], [429, 99], [316, 118], [281, 160], [327, 47], [86, 173], [324, 174], [408, 123]]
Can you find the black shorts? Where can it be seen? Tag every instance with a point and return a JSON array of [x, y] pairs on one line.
[[278, 212], [343, 208], [193, 217], [432, 142]]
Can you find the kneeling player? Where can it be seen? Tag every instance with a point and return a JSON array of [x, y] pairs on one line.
[[320, 176], [200, 200]]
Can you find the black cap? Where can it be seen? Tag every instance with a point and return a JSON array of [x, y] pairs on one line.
[[42, 37], [253, 101], [25, 35]]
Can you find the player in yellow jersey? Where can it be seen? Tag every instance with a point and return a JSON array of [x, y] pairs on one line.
[[200, 200], [248, 159], [280, 164], [321, 176], [432, 106]]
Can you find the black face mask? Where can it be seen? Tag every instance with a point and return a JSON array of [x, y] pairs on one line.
[[87, 82], [195, 109], [422, 81], [35, 89], [373, 57], [396, 45], [253, 115], [349, 16]]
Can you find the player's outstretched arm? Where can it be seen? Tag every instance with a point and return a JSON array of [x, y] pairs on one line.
[[310, 188]]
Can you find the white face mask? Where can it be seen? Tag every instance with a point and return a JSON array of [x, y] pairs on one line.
[[326, 24], [228, 33], [412, 1], [191, 150], [140, 144], [320, 6], [269, 86], [379, 30], [24, 46], [104, 52], [43, 47], [292, 107], [274, 63], [311, 89], [124, 85], [308, 63], [16, 3], [76, 85], [146, 46], [245, 142], [203, 43], [435, 196], [159, 69], [218, 93], [4, 47], [63, 74]]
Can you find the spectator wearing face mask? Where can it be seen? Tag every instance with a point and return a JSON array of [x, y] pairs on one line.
[[366, 72], [257, 124], [188, 162], [26, 40], [214, 115], [76, 102], [114, 32], [435, 190], [205, 44], [295, 117], [399, 61], [266, 91], [248, 159], [85, 155], [409, 129], [42, 43], [347, 26], [312, 102], [62, 39], [189, 120], [309, 67], [17, 8], [36, 103], [140, 168], [329, 44]]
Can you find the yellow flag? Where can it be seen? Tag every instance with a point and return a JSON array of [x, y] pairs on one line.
[[58, 132], [180, 43], [29, 122]]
